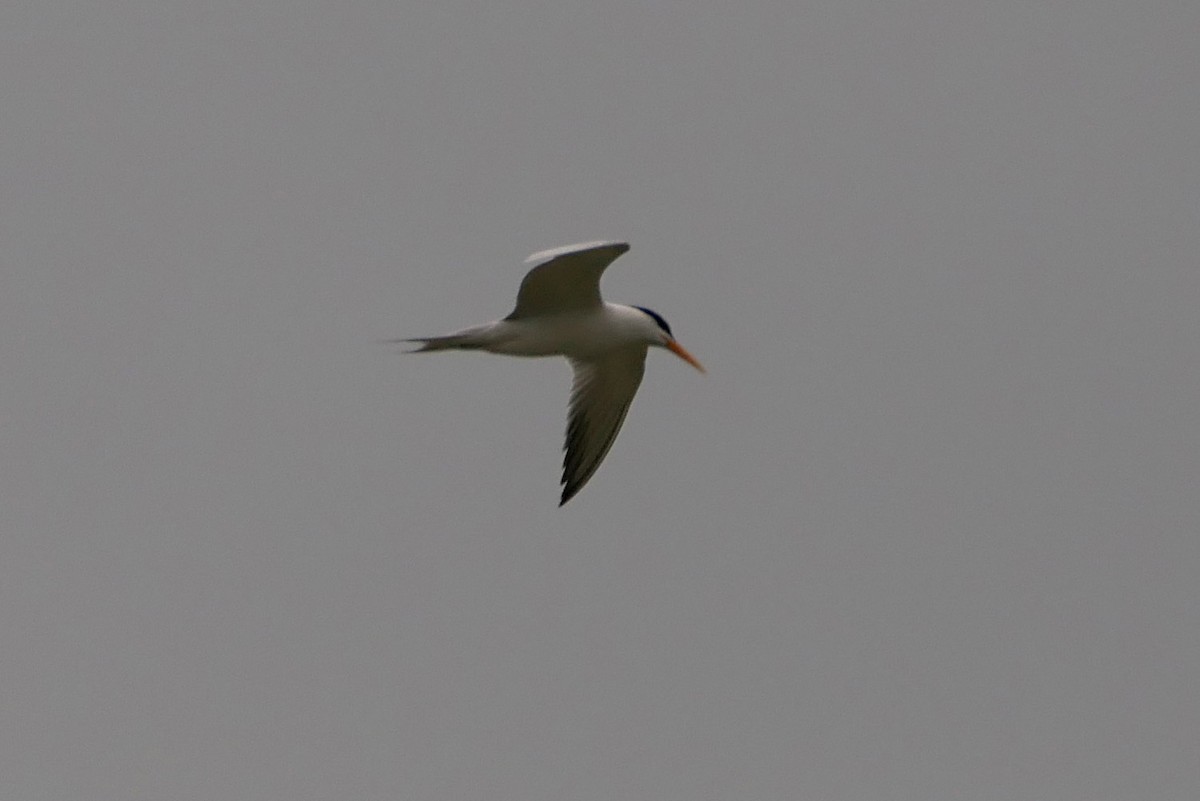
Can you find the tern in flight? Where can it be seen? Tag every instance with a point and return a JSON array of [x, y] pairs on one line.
[[560, 313]]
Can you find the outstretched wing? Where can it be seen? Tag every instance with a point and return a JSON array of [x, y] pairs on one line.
[[600, 397], [565, 279]]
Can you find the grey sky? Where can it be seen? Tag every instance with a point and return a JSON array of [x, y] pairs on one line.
[[928, 529]]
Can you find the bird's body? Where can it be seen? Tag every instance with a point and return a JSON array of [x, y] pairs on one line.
[[585, 334], [560, 312]]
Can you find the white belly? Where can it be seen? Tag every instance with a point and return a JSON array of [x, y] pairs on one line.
[[579, 335]]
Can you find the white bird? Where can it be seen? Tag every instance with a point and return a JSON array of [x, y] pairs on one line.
[[560, 313]]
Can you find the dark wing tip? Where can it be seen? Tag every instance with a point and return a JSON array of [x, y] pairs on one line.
[[570, 490]]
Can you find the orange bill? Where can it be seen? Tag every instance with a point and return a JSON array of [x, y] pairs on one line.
[[682, 353]]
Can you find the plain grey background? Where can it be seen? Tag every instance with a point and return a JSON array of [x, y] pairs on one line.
[[928, 529]]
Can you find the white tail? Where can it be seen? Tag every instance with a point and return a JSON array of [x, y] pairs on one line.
[[473, 338], [452, 342]]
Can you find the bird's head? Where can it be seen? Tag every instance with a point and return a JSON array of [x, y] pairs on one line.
[[661, 336]]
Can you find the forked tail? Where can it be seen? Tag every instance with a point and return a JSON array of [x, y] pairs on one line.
[[468, 339], [452, 342]]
